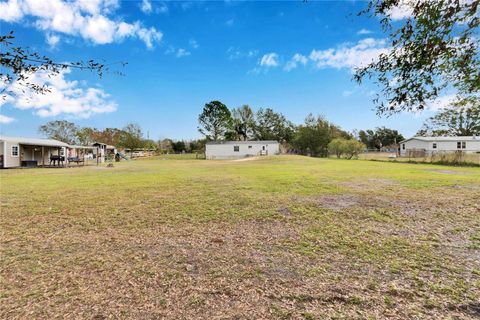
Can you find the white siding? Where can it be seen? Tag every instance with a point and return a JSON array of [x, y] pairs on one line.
[[10, 161], [471, 146], [227, 150], [412, 145]]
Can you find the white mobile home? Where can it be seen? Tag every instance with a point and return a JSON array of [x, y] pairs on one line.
[[28, 152], [421, 146], [240, 149]]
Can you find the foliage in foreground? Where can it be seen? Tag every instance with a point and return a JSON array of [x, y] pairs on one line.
[[434, 48], [18, 64], [461, 119]]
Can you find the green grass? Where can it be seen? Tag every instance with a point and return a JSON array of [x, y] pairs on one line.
[[284, 237]]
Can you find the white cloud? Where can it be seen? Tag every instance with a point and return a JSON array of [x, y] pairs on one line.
[[5, 119], [230, 22], [235, 53], [255, 71], [52, 40], [10, 11], [88, 19], [296, 59], [349, 56], [441, 102], [65, 97], [146, 6], [348, 93], [345, 56], [161, 8], [269, 60], [182, 53], [157, 7], [402, 11], [364, 31], [149, 36], [193, 43], [177, 52]]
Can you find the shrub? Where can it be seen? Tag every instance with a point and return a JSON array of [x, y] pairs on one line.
[[350, 148]]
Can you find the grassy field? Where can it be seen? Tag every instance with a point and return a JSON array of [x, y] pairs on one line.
[[470, 159], [285, 237]]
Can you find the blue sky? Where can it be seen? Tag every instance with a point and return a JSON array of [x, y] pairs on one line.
[[291, 56]]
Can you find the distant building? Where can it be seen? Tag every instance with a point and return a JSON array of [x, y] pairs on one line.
[[33, 152], [420, 146], [240, 149]]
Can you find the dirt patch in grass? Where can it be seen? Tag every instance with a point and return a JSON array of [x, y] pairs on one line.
[[166, 239], [444, 171], [368, 184], [338, 202], [246, 159], [284, 211]]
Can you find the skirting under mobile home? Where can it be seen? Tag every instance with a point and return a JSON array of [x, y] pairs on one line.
[[427, 146], [222, 150]]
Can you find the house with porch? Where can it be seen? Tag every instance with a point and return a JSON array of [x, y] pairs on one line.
[[31, 152]]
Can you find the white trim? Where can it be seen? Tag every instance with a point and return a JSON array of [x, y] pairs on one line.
[[442, 138], [18, 150]]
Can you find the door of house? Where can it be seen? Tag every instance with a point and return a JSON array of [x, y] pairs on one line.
[[263, 151]]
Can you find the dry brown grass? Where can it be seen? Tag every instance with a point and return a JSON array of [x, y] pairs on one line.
[[277, 238]]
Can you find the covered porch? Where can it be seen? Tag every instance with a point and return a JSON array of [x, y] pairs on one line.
[[81, 155], [42, 156]]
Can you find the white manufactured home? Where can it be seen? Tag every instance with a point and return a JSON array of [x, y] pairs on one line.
[[420, 146], [240, 149]]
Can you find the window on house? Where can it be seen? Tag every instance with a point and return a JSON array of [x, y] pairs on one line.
[[459, 145], [464, 144], [14, 151], [249, 147], [236, 148], [403, 146], [434, 145]]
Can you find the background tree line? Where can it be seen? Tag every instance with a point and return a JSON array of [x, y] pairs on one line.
[[129, 137], [218, 122], [315, 136]]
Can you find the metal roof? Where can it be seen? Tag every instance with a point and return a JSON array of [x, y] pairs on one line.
[[244, 142], [81, 147], [34, 141], [457, 138]]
